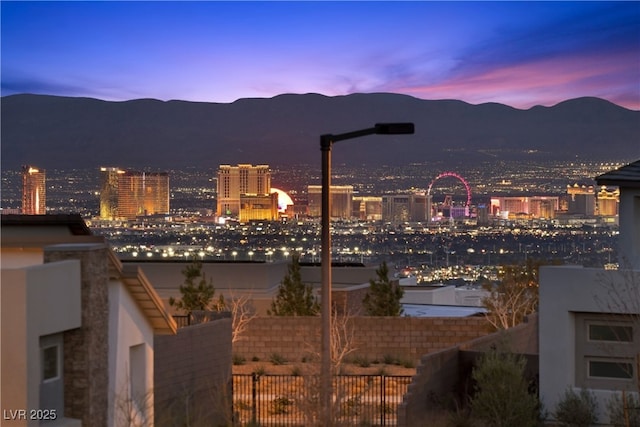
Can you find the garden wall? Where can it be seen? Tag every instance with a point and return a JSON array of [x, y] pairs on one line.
[[443, 377], [192, 375], [404, 338]]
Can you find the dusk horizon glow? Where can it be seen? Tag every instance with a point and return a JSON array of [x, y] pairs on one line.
[[520, 54]]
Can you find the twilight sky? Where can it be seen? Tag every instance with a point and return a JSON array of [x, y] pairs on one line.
[[516, 53]]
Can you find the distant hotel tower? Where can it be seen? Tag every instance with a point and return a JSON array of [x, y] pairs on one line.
[[34, 191], [129, 194], [142, 193], [608, 201], [341, 201], [109, 192], [582, 199], [244, 192], [406, 208], [532, 206], [367, 208]]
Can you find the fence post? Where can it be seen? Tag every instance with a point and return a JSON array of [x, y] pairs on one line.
[[383, 402], [254, 393]]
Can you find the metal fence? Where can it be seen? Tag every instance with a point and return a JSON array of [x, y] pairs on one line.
[[290, 400], [198, 316]]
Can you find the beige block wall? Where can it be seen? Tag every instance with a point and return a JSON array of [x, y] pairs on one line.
[[192, 373], [439, 373], [406, 338]]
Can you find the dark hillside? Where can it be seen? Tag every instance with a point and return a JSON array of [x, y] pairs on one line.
[[59, 132]]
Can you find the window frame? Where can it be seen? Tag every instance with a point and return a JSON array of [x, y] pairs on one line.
[[58, 364], [588, 350], [610, 360]]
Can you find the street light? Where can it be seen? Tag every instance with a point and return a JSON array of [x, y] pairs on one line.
[[326, 141]]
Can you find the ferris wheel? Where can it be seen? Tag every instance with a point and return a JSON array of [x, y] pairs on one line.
[[459, 178]]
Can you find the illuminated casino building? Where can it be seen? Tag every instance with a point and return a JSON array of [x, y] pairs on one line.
[[258, 208], [244, 192], [367, 208], [109, 192], [34, 191], [405, 207], [341, 201], [581, 199], [608, 200], [532, 206], [142, 193]]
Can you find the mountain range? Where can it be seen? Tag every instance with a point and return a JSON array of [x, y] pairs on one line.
[[53, 132]]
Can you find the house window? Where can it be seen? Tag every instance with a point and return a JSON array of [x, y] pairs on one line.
[[610, 369], [612, 333], [50, 363], [137, 372], [606, 348]]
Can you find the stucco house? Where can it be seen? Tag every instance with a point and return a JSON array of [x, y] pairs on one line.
[[77, 327], [589, 330]]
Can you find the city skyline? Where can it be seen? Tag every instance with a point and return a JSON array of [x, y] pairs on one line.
[[517, 53]]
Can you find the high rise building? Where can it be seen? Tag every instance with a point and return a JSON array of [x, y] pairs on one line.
[[533, 206], [34, 191], [142, 193], [608, 201], [545, 208], [109, 192], [483, 214], [367, 208], [341, 201], [258, 208], [406, 207], [396, 208], [581, 199], [241, 180]]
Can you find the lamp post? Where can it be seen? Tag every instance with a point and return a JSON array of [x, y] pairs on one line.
[[326, 141]]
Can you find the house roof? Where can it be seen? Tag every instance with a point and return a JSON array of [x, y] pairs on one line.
[[432, 310], [145, 296], [73, 222], [22, 234], [625, 176]]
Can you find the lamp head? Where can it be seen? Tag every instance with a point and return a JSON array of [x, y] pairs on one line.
[[394, 128]]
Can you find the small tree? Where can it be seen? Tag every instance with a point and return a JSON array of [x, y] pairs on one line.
[[501, 396], [383, 297], [624, 410], [197, 293], [515, 296], [242, 312], [577, 409], [294, 298]]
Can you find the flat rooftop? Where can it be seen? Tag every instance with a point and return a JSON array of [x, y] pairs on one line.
[[427, 310]]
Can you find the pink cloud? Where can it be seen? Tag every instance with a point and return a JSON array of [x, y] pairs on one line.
[[545, 82]]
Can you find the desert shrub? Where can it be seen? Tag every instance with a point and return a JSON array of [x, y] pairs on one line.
[[407, 364], [460, 417], [389, 359], [362, 361], [238, 360], [501, 395], [616, 408], [577, 409], [277, 359]]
